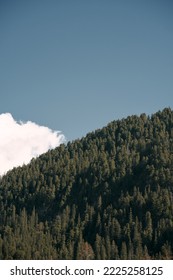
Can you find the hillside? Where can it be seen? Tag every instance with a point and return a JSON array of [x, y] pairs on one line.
[[106, 196]]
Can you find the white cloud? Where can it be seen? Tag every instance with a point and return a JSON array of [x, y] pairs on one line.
[[20, 142]]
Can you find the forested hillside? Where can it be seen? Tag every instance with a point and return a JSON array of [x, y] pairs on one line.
[[106, 196]]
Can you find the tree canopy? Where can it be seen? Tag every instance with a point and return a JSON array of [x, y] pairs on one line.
[[108, 195]]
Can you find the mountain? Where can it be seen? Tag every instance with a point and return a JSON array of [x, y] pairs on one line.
[[108, 195]]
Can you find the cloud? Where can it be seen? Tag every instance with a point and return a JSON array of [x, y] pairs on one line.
[[20, 142]]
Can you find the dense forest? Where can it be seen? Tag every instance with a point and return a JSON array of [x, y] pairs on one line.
[[108, 195]]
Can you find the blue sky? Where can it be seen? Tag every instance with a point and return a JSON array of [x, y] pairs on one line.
[[75, 65]]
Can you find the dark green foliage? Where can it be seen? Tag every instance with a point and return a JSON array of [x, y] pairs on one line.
[[106, 196]]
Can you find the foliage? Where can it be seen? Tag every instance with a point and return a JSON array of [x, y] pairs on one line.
[[106, 196]]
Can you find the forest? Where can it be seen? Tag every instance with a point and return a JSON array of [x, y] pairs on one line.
[[106, 196]]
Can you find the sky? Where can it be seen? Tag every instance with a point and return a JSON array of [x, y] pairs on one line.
[[74, 66]]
